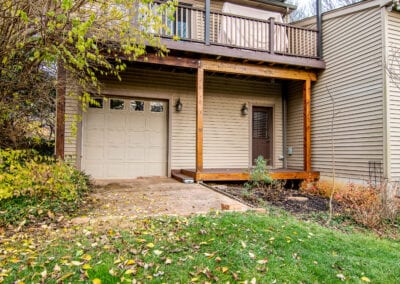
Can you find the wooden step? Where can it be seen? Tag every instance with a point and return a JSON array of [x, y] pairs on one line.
[[181, 177]]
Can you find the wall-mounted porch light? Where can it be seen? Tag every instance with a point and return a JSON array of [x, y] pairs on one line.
[[245, 109], [178, 105]]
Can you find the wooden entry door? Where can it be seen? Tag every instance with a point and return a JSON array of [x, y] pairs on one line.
[[262, 133]]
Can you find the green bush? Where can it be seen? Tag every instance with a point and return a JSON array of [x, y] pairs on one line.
[[32, 183], [259, 175]]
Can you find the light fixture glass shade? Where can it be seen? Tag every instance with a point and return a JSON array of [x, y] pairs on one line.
[[244, 110], [178, 105]]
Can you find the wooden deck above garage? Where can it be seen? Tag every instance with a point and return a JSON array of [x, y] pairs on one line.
[[246, 33], [241, 174]]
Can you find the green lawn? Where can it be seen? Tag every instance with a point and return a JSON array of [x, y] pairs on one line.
[[232, 247]]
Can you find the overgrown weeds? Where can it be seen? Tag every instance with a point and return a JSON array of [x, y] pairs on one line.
[[365, 204], [259, 175]]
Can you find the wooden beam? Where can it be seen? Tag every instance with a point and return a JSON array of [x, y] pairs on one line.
[[260, 56], [60, 112], [285, 175], [199, 120], [261, 71], [169, 60], [307, 125], [243, 174], [224, 176]]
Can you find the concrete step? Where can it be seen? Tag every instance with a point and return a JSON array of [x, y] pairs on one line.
[[181, 177]]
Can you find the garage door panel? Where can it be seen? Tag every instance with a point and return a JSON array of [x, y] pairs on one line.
[[154, 122], [155, 155], [115, 137], [95, 137], [156, 139], [153, 169], [94, 153], [116, 120], [138, 138], [116, 170], [136, 169], [94, 169], [126, 143], [136, 154], [136, 122], [115, 154]]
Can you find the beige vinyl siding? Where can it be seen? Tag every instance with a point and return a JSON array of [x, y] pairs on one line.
[[294, 130], [226, 131], [353, 76], [72, 122], [393, 90]]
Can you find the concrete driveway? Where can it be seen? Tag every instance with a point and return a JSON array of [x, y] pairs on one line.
[[155, 196]]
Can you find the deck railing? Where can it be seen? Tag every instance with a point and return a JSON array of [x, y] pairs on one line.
[[189, 24]]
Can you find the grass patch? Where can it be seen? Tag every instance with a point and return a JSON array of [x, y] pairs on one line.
[[215, 248]]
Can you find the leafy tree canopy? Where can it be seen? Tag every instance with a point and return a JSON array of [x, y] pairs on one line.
[[89, 37]]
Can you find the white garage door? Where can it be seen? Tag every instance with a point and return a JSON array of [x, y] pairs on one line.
[[125, 138]]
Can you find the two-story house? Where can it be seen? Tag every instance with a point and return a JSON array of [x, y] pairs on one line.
[[237, 84]]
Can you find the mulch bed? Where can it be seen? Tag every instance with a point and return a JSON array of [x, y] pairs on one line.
[[291, 200]]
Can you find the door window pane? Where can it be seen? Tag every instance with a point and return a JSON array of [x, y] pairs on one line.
[[96, 103], [260, 124], [137, 105], [116, 104], [156, 107]]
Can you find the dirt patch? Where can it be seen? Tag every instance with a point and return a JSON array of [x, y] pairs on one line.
[[291, 200]]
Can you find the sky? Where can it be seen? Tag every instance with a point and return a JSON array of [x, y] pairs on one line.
[[306, 8]]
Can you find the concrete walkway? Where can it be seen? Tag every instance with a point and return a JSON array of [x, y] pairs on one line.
[[154, 196]]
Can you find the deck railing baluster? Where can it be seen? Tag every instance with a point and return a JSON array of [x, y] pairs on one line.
[[242, 32]]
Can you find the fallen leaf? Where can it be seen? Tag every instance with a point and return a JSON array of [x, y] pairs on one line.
[[252, 256], [224, 269], [365, 279], [86, 266], [130, 262], [86, 257], [96, 281], [57, 268], [168, 261], [209, 255], [341, 276], [157, 252], [62, 278], [243, 244], [262, 261], [76, 263], [218, 259], [130, 271], [150, 245], [253, 281]]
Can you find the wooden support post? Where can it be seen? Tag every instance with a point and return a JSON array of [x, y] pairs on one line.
[[307, 125], [199, 120], [60, 112]]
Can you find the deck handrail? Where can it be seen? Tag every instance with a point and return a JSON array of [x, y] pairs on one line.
[[242, 32]]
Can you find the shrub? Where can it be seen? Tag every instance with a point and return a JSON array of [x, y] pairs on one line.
[[365, 204], [32, 183], [259, 175]]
